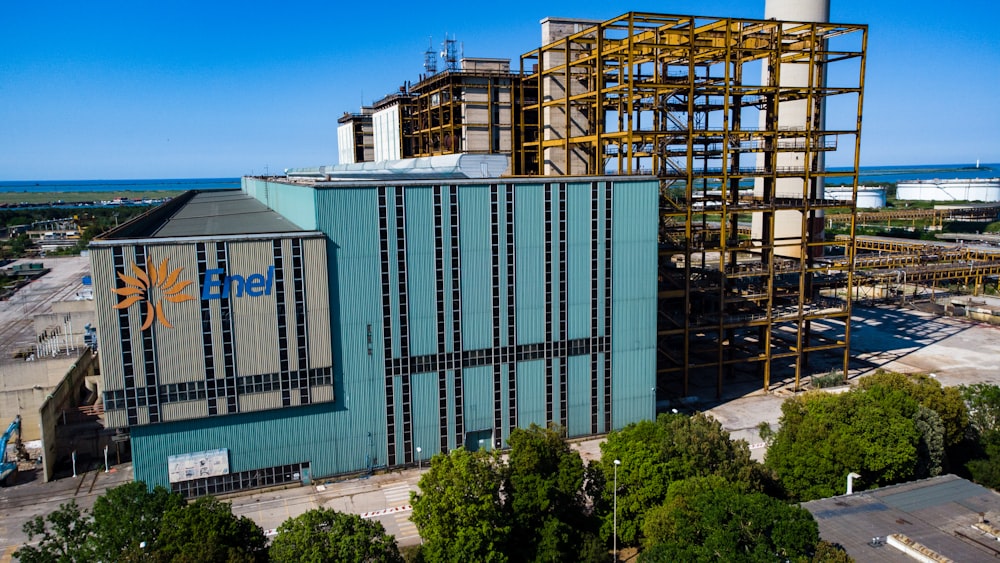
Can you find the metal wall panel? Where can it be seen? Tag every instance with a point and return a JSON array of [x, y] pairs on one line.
[[296, 203], [579, 229], [477, 295], [530, 267], [349, 217], [185, 410], [478, 392], [634, 281], [420, 270], [255, 324], [103, 274], [174, 361], [318, 301], [531, 393], [426, 432], [579, 378]]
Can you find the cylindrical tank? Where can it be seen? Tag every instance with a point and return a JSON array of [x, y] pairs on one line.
[[797, 10]]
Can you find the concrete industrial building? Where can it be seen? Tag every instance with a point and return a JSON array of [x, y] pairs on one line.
[[371, 319], [307, 330]]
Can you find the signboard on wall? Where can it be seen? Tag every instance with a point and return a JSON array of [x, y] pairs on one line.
[[197, 465]]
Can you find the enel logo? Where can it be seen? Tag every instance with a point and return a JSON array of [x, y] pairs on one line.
[[216, 285]]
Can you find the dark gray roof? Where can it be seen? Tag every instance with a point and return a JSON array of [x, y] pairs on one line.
[[204, 214], [224, 212], [935, 512]]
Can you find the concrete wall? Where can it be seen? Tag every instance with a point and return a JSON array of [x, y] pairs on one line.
[[60, 409]]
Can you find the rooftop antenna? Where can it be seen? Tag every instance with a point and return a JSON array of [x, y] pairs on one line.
[[449, 52], [430, 58]]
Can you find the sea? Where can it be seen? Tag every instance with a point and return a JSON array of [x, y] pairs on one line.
[[868, 174], [118, 186]]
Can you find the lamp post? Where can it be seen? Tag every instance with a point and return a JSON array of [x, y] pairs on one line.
[[614, 532], [420, 461]]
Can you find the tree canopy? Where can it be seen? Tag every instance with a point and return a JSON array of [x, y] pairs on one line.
[[711, 519], [459, 511], [671, 448], [889, 429], [62, 537], [127, 515], [322, 535], [206, 530]]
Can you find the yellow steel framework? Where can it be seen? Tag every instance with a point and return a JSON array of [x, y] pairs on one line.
[[460, 111], [701, 103], [937, 217]]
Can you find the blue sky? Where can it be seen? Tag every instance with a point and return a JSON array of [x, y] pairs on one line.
[[180, 89]]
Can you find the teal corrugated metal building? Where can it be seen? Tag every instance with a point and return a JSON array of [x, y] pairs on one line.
[[458, 311]]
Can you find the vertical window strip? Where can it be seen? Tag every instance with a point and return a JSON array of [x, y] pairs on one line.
[[404, 324], [594, 326], [563, 309], [511, 308], [383, 224], [125, 337], [228, 342], [201, 254], [439, 297], [495, 291], [456, 288], [149, 357], [608, 256], [547, 238]]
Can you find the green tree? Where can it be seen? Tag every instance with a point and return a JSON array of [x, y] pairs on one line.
[[128, 515], [459, 511], [674, 447], [873, 432], [711, 519], [983, 440], [544, 488], [207, 531], [63, 537], [323, 535], [947, 402]]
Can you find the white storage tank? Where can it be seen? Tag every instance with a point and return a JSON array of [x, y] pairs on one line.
[[869, 197], [977, 189]]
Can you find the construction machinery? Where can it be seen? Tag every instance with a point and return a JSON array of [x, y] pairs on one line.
[[8, 466]]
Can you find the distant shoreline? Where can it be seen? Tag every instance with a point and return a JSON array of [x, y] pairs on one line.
[[39, 198]]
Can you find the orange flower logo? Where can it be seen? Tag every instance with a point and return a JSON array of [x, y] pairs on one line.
[[148, 285]]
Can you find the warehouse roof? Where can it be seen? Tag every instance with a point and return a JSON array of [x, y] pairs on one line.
[[938, 513], [204, 214]]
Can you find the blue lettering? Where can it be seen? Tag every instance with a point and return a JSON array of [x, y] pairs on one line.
[[211, 281], [217, 285]]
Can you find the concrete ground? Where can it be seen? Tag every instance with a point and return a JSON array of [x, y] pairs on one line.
[[955, 350]]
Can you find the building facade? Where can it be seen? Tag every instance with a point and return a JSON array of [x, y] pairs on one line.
[[382, 319]]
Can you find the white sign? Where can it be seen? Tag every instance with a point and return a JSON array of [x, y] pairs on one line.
[[197, 465]]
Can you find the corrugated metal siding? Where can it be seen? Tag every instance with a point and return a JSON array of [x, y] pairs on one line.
[[426, 433], [259, 401], [420, 270], [174, 361], [477, 264], [317, 302], [255, 440], [255, 324], [350, 219], [530, 268], [579, 396], [297, 203], [103, 272], [531, 393], [578, 262], [634, 294], [478, 390], [184, 410]]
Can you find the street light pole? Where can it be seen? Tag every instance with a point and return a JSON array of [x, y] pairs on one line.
[[614, 533], [420, 460]]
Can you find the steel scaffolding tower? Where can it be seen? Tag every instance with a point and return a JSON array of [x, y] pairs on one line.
[[745, 269]]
